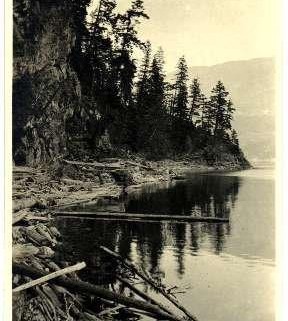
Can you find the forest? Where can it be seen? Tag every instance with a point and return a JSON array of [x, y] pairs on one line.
[[80, 93]]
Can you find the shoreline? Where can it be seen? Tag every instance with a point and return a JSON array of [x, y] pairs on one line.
[[37, 193], [42, 189]]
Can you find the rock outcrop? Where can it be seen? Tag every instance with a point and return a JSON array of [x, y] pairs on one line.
[[46, 89]]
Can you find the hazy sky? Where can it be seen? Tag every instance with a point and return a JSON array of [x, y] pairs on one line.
[[208, 32]]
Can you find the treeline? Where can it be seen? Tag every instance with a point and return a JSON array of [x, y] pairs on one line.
[[136, 109]]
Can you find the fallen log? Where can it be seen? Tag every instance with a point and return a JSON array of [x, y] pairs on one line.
[[85, 287], [32, 217], [19, 216], [22, 204], [136, 270], [142, 294], [94, 164], [50, 276], [143, 313], [22, 251], [110, 310], [156, 217], [110, 160], [23, 170]]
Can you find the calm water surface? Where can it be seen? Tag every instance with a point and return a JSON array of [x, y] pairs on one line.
[[226, 269]]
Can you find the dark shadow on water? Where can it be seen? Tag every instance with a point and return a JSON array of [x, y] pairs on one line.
[[201, 195]]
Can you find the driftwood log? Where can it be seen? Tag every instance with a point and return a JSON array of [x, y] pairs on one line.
[[136, 270], [85, 287], [152, 217], [142, 294], [94, 164], [19, 216], [50, 276]]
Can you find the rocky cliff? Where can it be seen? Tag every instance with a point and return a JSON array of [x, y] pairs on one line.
[[45, 86]]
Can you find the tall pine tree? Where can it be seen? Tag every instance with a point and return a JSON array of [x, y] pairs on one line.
[[196, 101], [180, 108], [157, 115], [221, 109]]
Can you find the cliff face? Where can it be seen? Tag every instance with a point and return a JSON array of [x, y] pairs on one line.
[[46, 89]]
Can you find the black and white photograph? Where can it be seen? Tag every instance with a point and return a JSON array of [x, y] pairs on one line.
[[144, 160]]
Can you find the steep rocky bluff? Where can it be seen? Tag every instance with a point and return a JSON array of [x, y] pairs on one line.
[[45, 86]]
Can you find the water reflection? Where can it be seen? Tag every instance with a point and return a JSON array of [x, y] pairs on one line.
[[205, 195], [201, 195]]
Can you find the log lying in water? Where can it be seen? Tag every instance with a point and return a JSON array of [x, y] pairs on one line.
[[142, 294], [84, 287], [146, 278], [156, 217]]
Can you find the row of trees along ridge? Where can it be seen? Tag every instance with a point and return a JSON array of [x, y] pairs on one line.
[[124, 107]]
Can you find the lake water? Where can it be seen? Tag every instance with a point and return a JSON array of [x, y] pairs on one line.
[[226, 270]]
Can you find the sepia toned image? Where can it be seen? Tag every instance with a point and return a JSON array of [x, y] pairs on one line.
[[144, 155]]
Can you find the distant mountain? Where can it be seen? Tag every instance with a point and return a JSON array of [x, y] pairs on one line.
[[251, 84]]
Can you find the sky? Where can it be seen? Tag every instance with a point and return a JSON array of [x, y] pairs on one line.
[[208, 32]]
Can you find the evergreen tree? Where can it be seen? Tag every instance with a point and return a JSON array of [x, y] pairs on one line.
[[180, 108], [79, 12], [207, 119], [196, 101], [157, 116], [181, 99], [98, 47], [170, 98], [221, 110], [126, 39], [142, 84], [151, 107], [142, 96]]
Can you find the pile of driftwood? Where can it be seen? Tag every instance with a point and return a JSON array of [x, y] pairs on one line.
[[68, 182], [49, 286], [34, 246], [42, 189]]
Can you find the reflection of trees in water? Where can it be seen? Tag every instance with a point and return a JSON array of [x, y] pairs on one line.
[[80, 242], [203, 195], [195, 230], [218, 233], [180, 243]]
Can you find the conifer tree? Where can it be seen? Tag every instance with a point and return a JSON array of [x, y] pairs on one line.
[[221, 110], [196, 100], [99, 45], [142, 84], [156, 107], [151, 107], [126, 39], [141, 98], [180, 108], [207, 120], [181, 99]]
